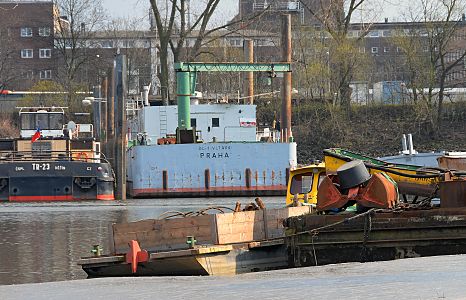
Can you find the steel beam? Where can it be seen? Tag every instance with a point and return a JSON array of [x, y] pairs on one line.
[[232, 67]]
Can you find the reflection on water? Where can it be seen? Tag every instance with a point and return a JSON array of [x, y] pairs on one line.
[[43, 241]]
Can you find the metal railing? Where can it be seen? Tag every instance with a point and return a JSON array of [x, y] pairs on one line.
[[52, 156]]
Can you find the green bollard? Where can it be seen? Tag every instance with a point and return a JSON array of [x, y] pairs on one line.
[[97, 250], [191, 241]]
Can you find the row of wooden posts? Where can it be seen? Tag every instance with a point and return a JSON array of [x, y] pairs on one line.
[[110, 120]]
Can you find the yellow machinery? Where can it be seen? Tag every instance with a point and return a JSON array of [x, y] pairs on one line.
[[303, 183], [413, 180]]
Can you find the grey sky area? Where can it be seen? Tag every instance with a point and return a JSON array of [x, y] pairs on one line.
[[379, 9]]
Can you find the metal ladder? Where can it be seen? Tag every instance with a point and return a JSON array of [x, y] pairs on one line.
[[163, 121]]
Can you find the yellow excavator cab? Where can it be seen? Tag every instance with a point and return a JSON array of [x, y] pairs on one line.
[[303, 183]]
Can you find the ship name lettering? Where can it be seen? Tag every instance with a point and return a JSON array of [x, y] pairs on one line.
[[19, 169], [214, 155], [60, 168], [214, 148], [41, 167]]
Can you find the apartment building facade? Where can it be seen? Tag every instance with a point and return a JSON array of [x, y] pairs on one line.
[[27, 33]]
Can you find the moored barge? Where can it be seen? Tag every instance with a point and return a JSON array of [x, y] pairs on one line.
[[51, 161]]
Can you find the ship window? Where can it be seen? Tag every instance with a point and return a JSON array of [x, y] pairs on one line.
[[215, 122], [42, 121], [301, 184], [193, 122], [56, 121], [27, 121]]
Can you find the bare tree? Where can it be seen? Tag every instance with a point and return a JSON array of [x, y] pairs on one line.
[[7, 70], [74, 31], [131, 42], [435, 50], [173, 28], [336, 17]]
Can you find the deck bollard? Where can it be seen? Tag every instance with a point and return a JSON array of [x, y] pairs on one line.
[[97, 250], [191, 241]]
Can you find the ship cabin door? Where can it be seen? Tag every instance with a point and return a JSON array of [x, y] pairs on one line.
[[96, 150], [215, 129]]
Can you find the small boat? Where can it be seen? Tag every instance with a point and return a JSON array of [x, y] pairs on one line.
[[51, 161], [450, 160]]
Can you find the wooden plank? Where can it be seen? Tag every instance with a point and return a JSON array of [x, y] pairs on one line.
[[240, 227], [166, 234], [134, 226], [266, 243], [175, 223], [101, 259], [191, 252], [275, 218]]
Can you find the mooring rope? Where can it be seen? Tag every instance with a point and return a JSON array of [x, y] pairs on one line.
[[203, 211]]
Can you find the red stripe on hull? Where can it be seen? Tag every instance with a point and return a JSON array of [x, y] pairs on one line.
[[106, 197], [40, 198], [56, 198], [212, 190]]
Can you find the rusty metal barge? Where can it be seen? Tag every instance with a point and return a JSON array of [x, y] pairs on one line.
[[357, 217], [234, 243], [375, 235]]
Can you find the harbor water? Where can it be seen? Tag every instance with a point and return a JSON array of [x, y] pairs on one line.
[[42, 242]]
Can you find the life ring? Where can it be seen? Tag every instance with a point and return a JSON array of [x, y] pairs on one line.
[[82, 156]]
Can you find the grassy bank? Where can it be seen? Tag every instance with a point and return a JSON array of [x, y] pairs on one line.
[[374, 130]]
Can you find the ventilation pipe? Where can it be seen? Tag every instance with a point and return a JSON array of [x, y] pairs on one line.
[[145, 94], [410, 142], [404, 147]]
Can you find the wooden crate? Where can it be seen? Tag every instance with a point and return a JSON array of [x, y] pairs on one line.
[[219, 229]]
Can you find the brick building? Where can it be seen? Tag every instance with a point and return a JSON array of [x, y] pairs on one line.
[[27, 33]]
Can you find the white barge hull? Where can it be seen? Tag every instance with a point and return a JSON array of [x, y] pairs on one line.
[[213, 169]]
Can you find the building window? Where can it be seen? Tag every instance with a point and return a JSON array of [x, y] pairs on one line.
[[235, 42], [128, 44], [45, 53], [373, 33], [44, 31], [193, 122], [215, 122], [28, 75], [362, 50], [374, 50], [386, 49], [387, 33], [26, 53], [26, 31], [45, 74], [106, 44]]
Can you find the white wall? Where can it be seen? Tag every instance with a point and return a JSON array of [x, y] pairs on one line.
[[229, 116]]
